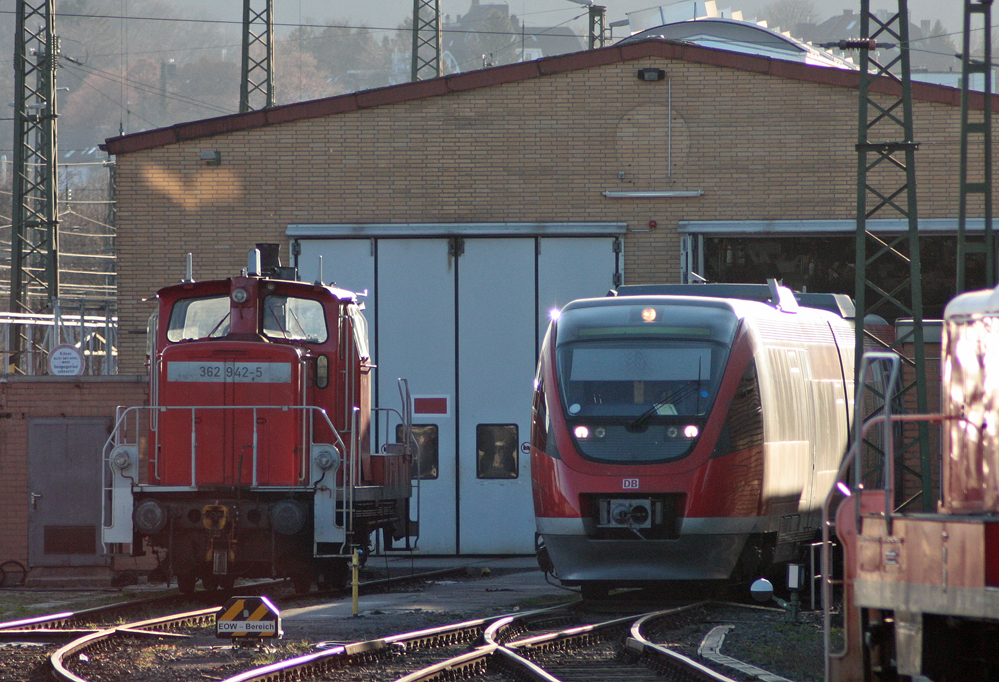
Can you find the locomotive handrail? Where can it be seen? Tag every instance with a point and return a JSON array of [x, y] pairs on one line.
[[118, 437], [839, 483], [406, 418]]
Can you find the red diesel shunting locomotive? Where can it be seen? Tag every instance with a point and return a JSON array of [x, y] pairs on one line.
[[253, 458], [685, 433]]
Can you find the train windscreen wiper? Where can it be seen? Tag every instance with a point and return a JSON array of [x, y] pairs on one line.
[[641, 421]]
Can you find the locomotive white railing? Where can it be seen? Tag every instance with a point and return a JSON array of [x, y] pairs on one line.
[[131, 428], [410, 446]]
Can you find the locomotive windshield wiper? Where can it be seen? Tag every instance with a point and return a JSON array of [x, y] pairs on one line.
[[216, 327], [642, 421]]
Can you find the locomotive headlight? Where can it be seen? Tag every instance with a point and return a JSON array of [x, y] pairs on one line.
[[582, 432], [600, 432], [149, 516], [691, 431], [649, 315], [240, 295], [326, 460], [672, 432]]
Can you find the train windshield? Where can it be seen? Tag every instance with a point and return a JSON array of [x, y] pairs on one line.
[[199, 318], [640, 388], [292, 318]]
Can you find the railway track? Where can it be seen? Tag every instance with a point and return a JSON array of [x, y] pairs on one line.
[[67, 624], [548, 645]]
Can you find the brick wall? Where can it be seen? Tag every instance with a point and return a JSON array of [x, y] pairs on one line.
[[542, 149], [24, 398]]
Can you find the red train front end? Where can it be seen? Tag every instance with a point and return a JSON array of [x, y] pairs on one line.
[[666, 445], [253, 459]]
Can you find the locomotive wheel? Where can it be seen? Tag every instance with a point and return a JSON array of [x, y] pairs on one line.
[[186, 582]]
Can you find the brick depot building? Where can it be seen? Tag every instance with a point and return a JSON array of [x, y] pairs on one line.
[[469, 205]]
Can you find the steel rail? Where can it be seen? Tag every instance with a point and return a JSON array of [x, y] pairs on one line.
[[61, 624], [666, 661], [139, 628]]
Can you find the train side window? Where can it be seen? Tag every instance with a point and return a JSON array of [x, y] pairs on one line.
[[322, 371], [745, 417], [426, 436], [496, 450], [539, 424]]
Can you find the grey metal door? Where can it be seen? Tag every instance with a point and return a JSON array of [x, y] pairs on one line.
[[64, 488]]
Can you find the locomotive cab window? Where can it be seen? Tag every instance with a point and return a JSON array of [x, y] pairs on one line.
[[496, 450], [296, 319], [199, 318]]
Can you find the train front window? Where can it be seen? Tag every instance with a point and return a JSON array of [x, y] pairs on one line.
[[639, 379], [291, 318], [199, 318], [637, 384]]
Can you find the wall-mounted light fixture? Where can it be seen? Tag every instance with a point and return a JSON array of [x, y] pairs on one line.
[[211, 158], [651, 74]]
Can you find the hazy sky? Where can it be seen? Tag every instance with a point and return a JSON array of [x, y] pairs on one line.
[[390, 13]]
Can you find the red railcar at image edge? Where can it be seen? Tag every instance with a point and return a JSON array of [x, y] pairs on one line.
[[920, 589], [253, 458], [686, 432]]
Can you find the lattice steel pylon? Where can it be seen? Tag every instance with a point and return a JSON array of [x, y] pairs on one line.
[[886, 175], [598, 28], [976, 135], [256, 83], [34, 262], [426, 39]]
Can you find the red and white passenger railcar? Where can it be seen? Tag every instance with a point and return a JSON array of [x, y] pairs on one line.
[[253, 458], [921, 590], [682, 433]]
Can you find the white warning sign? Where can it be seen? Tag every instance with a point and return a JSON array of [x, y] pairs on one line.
[[248, 617]]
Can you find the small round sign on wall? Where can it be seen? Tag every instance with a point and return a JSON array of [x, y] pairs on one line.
[[65, 361]]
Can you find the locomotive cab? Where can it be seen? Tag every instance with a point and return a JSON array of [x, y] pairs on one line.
[[254, 457]]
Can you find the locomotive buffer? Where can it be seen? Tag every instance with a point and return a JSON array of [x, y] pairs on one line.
[[248, 618]]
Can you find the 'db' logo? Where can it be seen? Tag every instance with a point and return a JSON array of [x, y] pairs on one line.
[[629, 483]]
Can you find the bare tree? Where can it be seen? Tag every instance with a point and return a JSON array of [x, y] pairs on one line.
[[788, 14]]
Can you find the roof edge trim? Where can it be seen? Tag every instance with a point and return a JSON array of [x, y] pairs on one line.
[[416, 230]]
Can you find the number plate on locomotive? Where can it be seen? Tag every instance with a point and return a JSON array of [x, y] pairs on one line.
[[237, 372]]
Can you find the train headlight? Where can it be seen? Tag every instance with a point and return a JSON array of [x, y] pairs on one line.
[[149, 517], [582, 432], [691, 431], [240, 295], [649, 315]]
